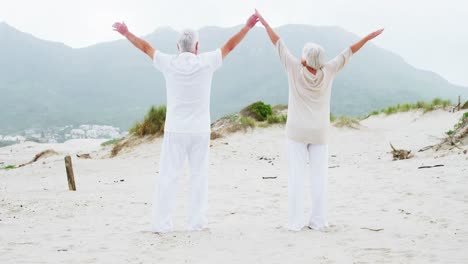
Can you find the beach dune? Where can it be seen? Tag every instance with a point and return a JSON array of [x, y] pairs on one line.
[[381, 211]]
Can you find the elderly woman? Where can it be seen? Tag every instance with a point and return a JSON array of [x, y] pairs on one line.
[[307, 128]]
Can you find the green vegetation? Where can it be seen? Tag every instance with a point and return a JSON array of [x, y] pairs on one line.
[[437, 103], [263, 115], [111, 142], [247, 122], [153, 123], [277, 119], [258, 110], [9, 167], [459, 126], [462, 120]]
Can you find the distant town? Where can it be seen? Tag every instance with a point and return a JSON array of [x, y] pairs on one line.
[[62, 134]]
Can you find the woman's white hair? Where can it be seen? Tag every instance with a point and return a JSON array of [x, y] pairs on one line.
[[188, 40], [314, 55]]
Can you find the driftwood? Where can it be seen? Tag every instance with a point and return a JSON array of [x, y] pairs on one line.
[[425, 148], [84, 156], [42, 155], [266, 178], [373, 229], [70, 175], [428, 167], [400, 154]]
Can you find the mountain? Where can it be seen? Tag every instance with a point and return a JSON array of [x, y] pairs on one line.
[[45, 84]]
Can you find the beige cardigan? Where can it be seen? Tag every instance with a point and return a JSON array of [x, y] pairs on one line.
[[309, 96]]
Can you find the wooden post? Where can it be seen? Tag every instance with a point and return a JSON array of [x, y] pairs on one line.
[[70, 176], [459, 102]]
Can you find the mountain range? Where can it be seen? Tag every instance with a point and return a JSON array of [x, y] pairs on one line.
[[44, 84]]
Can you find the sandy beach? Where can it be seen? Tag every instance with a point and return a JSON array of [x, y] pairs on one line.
[[381, 211]]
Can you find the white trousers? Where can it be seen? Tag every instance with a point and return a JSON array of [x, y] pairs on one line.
[[176, 149], [307, 160]]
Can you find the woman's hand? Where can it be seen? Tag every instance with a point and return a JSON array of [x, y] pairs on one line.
[[260, 17], [374, 34]]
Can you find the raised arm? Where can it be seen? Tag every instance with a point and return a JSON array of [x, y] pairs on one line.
[[237, 38], [141, 44], [271, 33], [356, 47]]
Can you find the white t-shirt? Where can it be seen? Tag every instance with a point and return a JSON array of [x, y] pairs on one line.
[[188, 85]]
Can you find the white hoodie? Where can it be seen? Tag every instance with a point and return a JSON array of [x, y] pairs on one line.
[[309, 96]]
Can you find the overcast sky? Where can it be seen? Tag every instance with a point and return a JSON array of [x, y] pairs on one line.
[[429, 34]]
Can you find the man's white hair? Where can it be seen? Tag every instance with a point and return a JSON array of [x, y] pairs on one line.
[[314, 55], [188, 40]]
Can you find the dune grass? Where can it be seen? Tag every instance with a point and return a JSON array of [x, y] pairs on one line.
[[436, 103], [459, 124], [247, 122], [346, 121], [111, 142], [277, 119], [152, 124]]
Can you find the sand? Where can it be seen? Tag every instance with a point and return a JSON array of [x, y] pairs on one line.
[[382, 211]]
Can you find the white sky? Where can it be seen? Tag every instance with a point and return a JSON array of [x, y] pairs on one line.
[[429, 34]]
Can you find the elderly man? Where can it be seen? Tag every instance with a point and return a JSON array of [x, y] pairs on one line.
[[187, 130]]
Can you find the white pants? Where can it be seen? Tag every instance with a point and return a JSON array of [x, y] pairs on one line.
[[176, 148], [312, 161]]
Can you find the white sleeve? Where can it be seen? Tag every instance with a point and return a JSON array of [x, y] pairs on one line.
[[338, 63], [286, 58], [214, 59], [161, 60]]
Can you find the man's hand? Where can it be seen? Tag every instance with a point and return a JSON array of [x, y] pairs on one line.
[[237, 38], [374, 34], [121, 28], [252, 21], [136, 41]]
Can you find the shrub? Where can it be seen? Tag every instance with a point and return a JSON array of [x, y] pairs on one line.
[[258, 110], [450, 132], [332, 118], [153, 123], [9, 167]]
